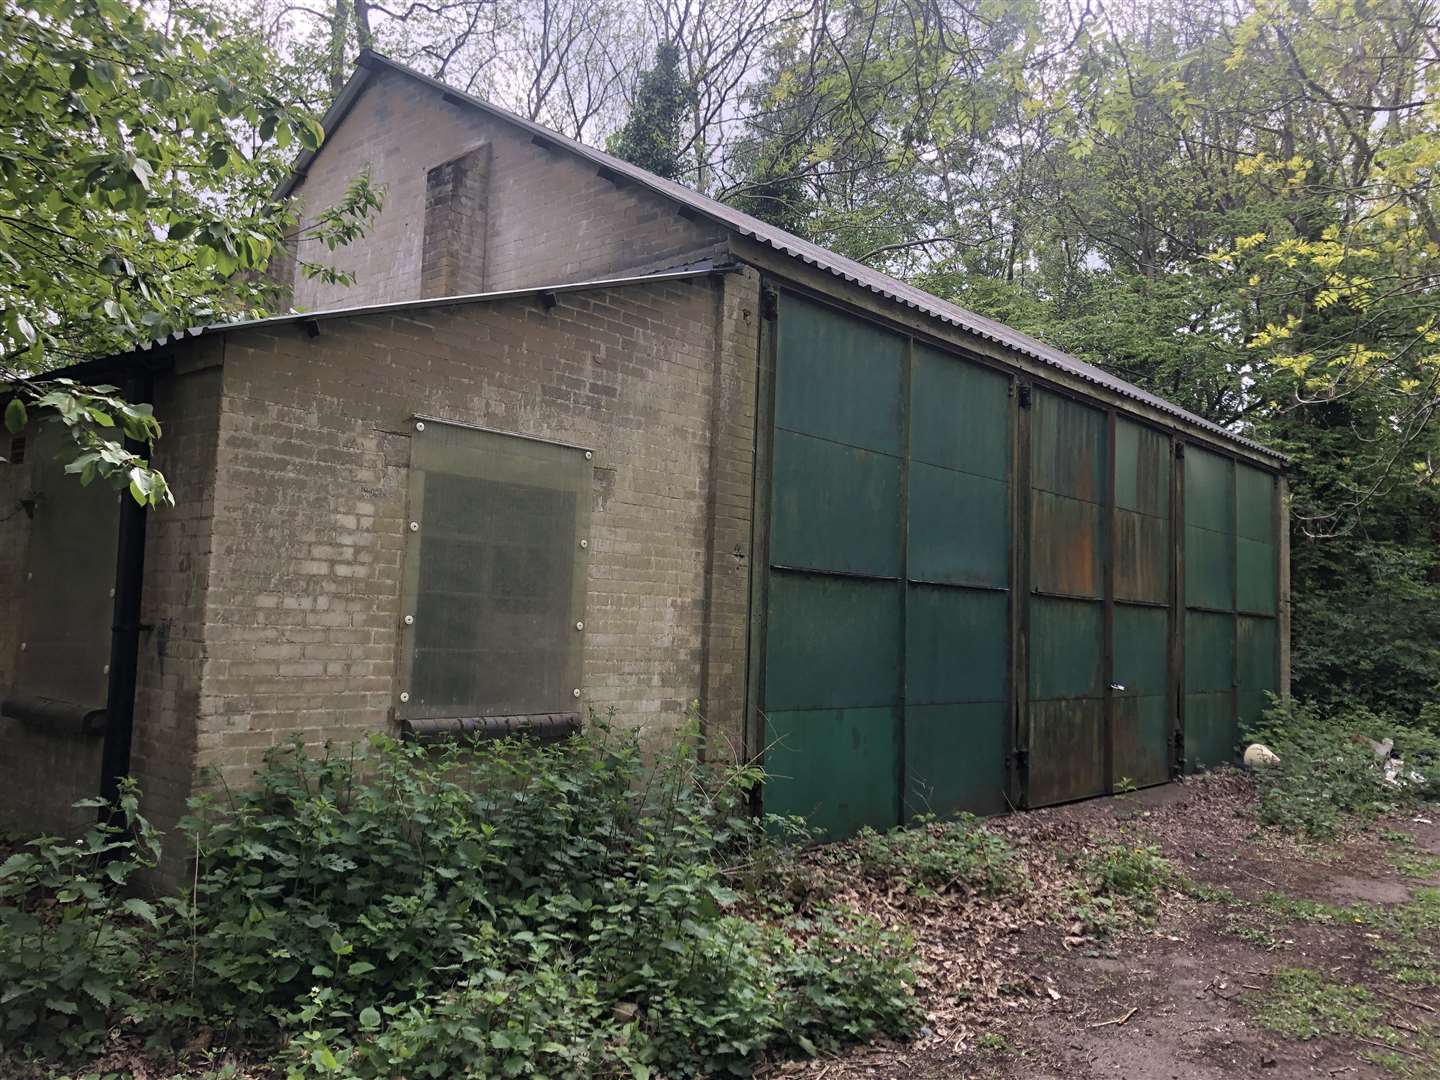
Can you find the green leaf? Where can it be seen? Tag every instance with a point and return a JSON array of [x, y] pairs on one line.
[[15, 415], [141, 909], [324, 1059], [369, 1018]]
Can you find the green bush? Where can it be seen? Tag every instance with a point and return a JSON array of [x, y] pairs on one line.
[[1328, 774], [495, 909], [72, 947], [938, 856]]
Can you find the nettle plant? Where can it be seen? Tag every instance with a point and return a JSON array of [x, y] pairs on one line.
[[72, 944], [489, 909]]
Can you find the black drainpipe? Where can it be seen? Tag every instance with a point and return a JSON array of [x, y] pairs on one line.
[[125, 626]]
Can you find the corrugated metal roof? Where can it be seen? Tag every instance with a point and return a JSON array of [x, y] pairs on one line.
[[700, 268], [789, 244]]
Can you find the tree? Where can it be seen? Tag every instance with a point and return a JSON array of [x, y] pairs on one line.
[[651, 137], [139, 151]]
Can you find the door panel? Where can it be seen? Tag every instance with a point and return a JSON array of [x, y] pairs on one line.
[[1069, 497], [886, 686], [835, 767], [955, 758], [1140, 697]]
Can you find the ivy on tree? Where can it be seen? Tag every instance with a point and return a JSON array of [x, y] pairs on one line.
[[651, 136]]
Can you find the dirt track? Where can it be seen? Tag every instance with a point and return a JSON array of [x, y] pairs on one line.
[[1236, 976]]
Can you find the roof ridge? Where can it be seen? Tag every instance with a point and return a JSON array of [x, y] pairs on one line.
[[841, 266]]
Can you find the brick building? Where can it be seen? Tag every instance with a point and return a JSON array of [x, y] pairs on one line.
[[579, 438]]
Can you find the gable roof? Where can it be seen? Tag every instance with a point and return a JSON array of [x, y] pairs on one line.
[[787, 243]]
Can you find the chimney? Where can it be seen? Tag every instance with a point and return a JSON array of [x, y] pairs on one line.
[[452, 255]]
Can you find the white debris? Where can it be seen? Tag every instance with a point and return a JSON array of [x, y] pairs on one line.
[[1260, 756]]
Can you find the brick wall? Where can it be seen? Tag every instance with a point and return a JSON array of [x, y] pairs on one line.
[[177, 577], [550, 217], [304, 602]]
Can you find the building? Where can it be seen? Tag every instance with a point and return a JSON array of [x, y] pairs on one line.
[[579, 438]]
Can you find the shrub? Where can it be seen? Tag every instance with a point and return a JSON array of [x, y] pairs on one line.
[[71, 945], [1328, 773], [846, 981], [936, 857], [495, 909]]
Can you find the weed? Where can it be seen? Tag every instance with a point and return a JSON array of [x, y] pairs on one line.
[[1137, 872], [1405, 951], [992, 1042], [1299, 909], [1120, 882], [1303, 1004], [1266, 936], [935, 857]]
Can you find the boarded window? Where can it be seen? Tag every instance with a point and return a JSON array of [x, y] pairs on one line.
[[68, 605], [494, 582]]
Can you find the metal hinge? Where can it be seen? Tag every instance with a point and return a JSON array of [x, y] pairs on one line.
[[1024, 394], [1019, 758], [769, 304]]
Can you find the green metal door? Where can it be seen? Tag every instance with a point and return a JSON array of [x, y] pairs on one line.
[[886, 688], [957, 609], [1257, 580], [832, 694], [1209, 718], [1069, 499]]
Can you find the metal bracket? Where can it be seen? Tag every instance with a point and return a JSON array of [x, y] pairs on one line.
[[769, 304], [1024, 393]]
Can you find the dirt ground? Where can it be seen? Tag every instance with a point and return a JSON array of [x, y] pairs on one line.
[[1268, 958]]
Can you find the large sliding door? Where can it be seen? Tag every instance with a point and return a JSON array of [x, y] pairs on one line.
[[957, 605], [1141, 702], [1209, 609], [886, 689], [930, 553], [833, 675]]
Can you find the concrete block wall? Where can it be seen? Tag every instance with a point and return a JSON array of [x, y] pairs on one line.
[[175, 588], [550, 218], [310, 507]]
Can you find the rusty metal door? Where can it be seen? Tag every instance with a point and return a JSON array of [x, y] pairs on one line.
[[1141, 717], [1069, 500]]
